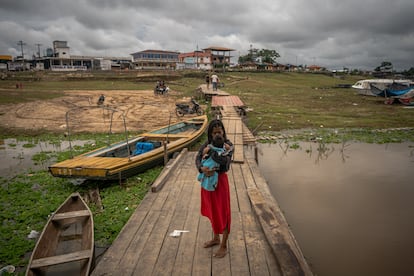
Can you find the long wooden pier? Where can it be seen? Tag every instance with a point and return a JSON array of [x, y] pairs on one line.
[[260, 241]]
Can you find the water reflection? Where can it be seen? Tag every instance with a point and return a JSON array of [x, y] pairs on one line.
[[16, 156], [350, 206]]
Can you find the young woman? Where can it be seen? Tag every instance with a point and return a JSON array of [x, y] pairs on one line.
[[216, 204]]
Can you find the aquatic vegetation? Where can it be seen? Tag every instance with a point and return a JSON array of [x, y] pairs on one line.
[[27, 199]]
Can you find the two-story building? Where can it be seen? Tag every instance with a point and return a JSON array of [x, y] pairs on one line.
[[208, 59], [155, 59]]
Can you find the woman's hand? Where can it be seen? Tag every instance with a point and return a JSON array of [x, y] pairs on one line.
[[207, 171]]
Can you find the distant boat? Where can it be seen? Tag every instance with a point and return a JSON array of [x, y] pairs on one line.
[[66, 245], [127, 158], [363, 87], [403, 93]]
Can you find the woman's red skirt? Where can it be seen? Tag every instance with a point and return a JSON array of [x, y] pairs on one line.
[[216, 205]]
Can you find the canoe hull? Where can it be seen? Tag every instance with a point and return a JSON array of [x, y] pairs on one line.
[[66, 245]]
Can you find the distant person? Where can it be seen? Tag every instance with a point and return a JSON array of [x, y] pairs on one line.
[[161, 88], [208, 81], [216, 204], [214, 80], [101, 99]]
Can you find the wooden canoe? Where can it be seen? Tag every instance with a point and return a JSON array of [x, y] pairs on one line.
[[123, 159], [66, 244]]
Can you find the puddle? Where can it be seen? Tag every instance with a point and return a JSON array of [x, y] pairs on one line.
[[16, 156], [350, 207]]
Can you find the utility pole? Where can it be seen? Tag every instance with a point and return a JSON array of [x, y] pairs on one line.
[[38, 49], [196, 56], [21, 43]]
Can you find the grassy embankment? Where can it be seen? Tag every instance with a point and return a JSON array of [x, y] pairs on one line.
[[279, 101]]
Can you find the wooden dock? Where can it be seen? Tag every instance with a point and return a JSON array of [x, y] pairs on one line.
[[260, 241], [209, 93]]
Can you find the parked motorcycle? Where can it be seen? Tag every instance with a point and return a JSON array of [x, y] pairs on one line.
[[161, 88], [182, 109]]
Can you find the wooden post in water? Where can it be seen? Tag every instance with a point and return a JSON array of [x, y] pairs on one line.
[[165, 153], [255, 155]]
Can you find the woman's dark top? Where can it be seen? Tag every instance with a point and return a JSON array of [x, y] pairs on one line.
[[224, 159]]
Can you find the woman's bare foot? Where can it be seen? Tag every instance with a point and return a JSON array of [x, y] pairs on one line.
[[211, 243], [221, 252]]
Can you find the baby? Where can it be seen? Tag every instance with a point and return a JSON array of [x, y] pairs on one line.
[[209, 183]]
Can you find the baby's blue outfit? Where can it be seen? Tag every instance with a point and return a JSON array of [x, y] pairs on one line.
[[209, 183]]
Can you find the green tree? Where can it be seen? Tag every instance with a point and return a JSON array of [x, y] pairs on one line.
[[409, 72], [266, 55], [384, 67]]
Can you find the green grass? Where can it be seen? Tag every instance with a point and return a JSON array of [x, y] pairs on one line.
[[28, 199], [281, 101]]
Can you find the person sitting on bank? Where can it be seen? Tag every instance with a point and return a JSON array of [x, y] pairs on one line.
[[101, 99]]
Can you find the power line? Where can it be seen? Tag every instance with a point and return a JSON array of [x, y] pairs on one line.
[[38, 49]]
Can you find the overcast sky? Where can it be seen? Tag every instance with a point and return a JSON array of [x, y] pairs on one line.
[[358, 34]]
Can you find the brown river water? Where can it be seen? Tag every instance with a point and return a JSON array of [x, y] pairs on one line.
[[350, 207], [17, 156]]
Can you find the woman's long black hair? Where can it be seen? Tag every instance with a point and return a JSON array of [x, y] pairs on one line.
[[215, 123]]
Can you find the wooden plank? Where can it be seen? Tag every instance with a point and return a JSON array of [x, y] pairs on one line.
[[148, 257], [242, 196], [135, 249], [255, 246], [225, 101], [239, 127], [274, 225], [125, 250], [239, 261], [171, 166], [234, 204], [188, 242], [231, 127], [238, 154], [248, 136], [247, 176], [159, 235], [238, 139], [60, 259], [73, 214], [168, 252], [202, 256], [119, 248], [278, 236], [183, 264]]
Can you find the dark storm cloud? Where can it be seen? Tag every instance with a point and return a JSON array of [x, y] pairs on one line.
[[335, 34]]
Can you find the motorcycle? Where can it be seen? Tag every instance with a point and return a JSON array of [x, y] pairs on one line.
[[182, 109], [161, 88]]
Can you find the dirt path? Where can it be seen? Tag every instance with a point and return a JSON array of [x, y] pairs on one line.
[[141, 108]]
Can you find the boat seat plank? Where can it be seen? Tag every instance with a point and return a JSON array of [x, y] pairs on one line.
[[73, 214], [60, 259]]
